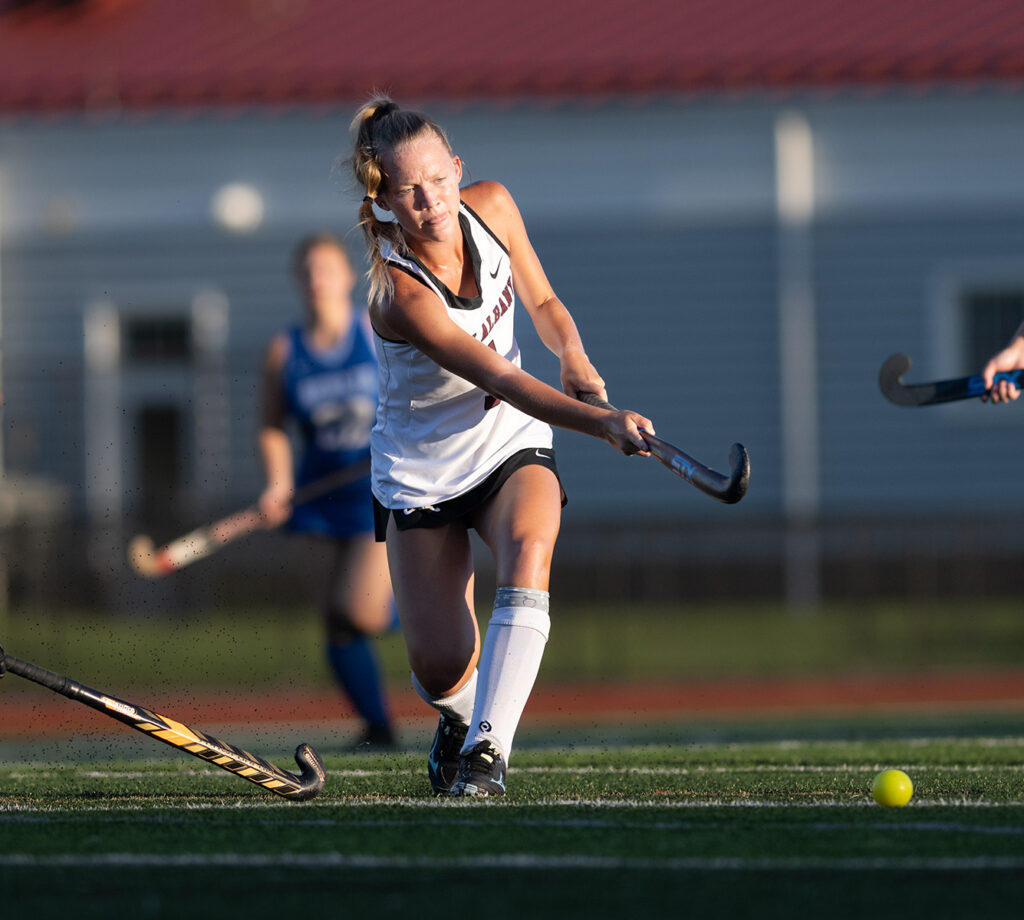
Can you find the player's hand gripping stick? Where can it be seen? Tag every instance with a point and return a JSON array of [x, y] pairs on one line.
[[729, 489]]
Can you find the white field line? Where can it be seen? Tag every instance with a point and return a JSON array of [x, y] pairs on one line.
[[62, 813], [567, 771], [765, 768], [790, 744], [797, 744], [525, 861], [941, 827]]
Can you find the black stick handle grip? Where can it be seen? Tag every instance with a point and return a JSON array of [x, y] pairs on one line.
[[592, 399], [73, 690], [49, 679]]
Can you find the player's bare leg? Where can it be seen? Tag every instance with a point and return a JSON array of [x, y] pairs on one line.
[[432, 575], [357, 606], [520, 525], [361, 586]]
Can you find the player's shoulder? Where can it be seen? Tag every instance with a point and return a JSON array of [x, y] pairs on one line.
[[493, 203], [486, 194], [410, 290], [391, 314]]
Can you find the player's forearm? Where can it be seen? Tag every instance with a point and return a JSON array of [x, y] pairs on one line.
[[556, 328], [276, 454], [544, 402]]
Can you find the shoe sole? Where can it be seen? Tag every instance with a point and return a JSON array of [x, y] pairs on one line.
[[470, 790]]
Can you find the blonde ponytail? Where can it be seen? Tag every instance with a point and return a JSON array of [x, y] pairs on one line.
[[381, 126], [376, 231]]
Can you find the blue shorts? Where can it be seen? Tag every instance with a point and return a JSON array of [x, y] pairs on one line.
[[462, 506]]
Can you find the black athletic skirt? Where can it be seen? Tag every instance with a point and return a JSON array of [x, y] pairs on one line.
[[463, 505]]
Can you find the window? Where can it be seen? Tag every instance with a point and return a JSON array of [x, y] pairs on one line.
[[989, 317], [157, 339], [160, 461]]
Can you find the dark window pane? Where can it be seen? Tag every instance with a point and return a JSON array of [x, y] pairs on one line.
[[149, 339], [990, 318], [159, 444]]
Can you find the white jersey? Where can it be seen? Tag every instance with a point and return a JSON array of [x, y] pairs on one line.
[[437, 435]]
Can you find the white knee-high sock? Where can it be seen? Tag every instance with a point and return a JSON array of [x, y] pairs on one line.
[[509, 663], [458, 706]]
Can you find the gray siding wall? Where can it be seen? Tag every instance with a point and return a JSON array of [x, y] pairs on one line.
[[656, 225], [879, 291], [680, 321]]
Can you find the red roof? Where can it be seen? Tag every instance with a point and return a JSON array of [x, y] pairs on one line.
[[63, 55]]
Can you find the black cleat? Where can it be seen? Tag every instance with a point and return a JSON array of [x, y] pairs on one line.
[[443, 759], [481, 772]]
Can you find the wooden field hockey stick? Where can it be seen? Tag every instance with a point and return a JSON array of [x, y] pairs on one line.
[[729, 489], [890, 381], [152, 562], [299, 787]]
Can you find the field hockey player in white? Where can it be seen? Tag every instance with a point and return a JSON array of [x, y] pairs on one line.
[[462, 438]]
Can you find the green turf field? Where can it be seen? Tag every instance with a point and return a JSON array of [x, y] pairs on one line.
[[768, 817], [770, 829]]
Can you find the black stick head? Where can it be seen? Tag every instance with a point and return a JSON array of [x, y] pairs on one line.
[[890, 380], [3, 662], [739, 461], [311, 773]]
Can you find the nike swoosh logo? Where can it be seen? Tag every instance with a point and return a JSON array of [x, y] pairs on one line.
[[542, 456], [494, 274]]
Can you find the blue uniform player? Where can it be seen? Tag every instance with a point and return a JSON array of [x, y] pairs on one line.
[[322, 376]]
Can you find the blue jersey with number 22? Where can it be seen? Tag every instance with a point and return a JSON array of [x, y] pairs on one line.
[[332, 395]]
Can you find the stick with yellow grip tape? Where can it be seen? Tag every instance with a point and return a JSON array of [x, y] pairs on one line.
[[305, 785]]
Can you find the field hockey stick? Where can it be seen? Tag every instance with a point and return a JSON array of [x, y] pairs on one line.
[[150, 562], [299, 787], [729, 489], [890, 380]]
